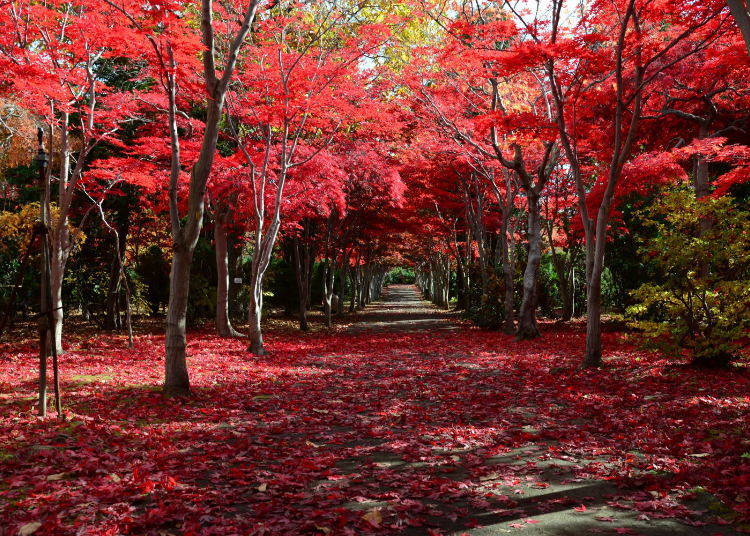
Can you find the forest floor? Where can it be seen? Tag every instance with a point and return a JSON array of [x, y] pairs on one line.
[[406, 421]]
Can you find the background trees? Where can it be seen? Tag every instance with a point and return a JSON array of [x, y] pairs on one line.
[[509, 157], [597, 72]]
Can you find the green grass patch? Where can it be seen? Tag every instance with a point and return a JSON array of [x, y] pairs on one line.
[[92, 378]]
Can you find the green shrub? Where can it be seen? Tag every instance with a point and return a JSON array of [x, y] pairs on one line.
[[700, 301], [400, 276]]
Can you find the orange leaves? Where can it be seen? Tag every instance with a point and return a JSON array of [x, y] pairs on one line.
[[373, 517]]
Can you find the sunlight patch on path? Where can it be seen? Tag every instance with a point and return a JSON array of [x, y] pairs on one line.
[[401, 308]]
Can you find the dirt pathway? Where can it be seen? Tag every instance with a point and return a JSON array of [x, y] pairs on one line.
[[402, 308], [537, 489]]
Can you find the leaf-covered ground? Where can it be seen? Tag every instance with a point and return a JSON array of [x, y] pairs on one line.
[[405, 423]]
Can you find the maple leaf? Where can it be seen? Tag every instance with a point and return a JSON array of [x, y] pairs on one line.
[[29, 528], [373, 517]]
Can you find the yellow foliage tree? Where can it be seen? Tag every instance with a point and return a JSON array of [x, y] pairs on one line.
[[17, 228]]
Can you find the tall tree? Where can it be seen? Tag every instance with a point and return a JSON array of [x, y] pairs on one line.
[[169, 47], [299, 93], [53, 55], [624, 49]]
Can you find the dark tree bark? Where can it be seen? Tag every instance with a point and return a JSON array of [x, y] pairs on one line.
[[176, 374], [112, 319], [353, 297], [342, 283], [254, 316], [741, 13], [624, 136], [474, 203], [302, 269], [221, 243], [507, 247], [462, 292]]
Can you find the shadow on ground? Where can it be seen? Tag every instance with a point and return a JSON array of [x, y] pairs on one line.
[[409, 423]]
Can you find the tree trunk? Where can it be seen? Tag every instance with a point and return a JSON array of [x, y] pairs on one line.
[[353, 297], [255, 307], [440, 268], [594, 267], [435, 283], [508, 256], [301, 273], [461, 286], [223, 322], [44, 299], [702, 187], [342, 286], [185, 237], [593, 356], [701, 184], [128, 316], [176, 382], [57, 265], [380, 280], [566, 296], [474, 219], [370, 286], [60, 239], [184, 240], [264, 243], [111, 315], [254, 317], [360, 287], [527, 325], [235, 257], [446, 281], [112, 319], [741, 15], [310, 274], [329, 276], [367, 286], [428, 284]]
